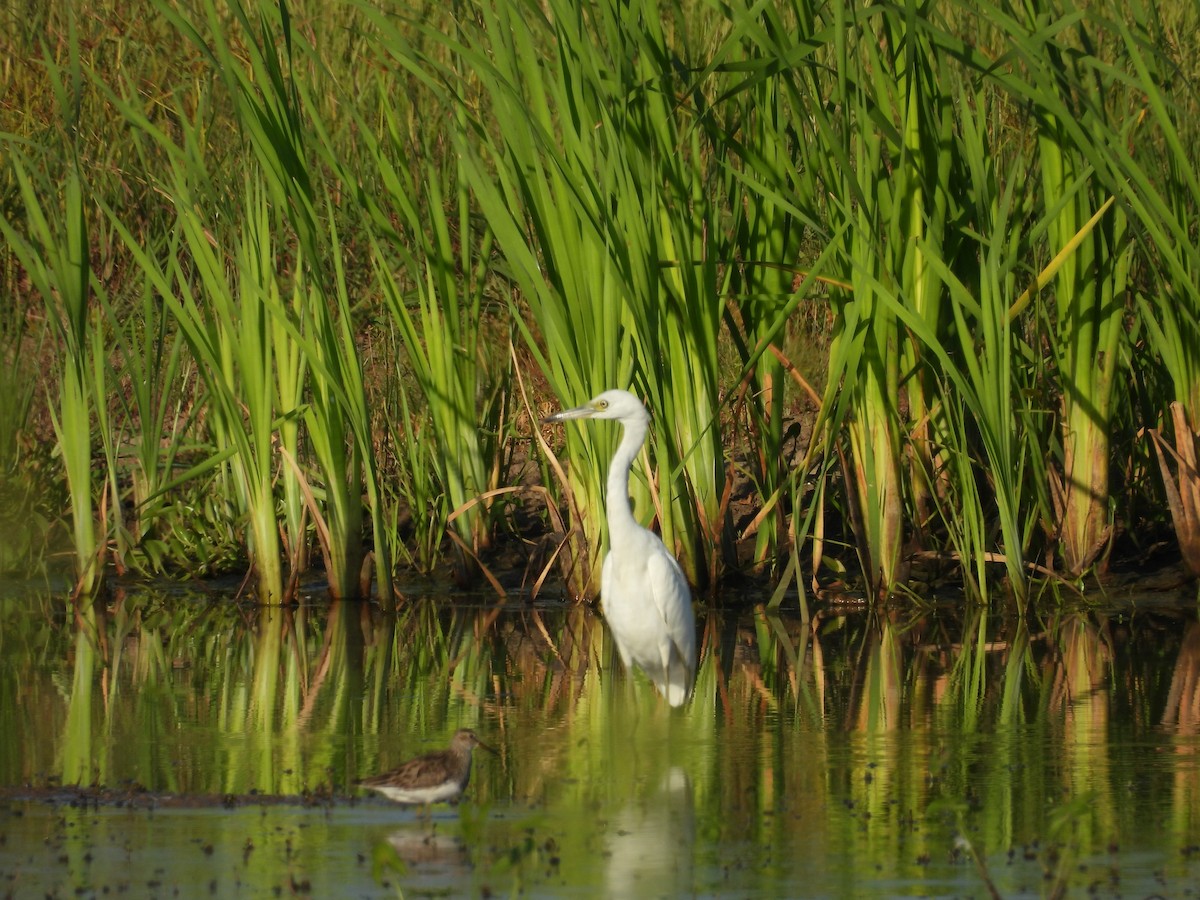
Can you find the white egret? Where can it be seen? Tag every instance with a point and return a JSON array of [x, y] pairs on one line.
[[643, 591]]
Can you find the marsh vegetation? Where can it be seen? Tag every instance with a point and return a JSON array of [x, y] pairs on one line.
[[911, 290]]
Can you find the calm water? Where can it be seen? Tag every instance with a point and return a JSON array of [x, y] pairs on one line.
[[862, 755]]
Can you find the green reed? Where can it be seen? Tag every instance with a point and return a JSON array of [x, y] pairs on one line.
[[587, 205], [992, 379], [228, 327], [643, 193], [280, 354], [229, 330], [433, 275], [545, 173], [672, 263], [55, 251], [1076, 121], [831, 174], [1158, 180], [258, 86], [339, 430], [57, 258], [1092, 283], [418, 503], [871, 183], [767, 239], [153, 424], [978, 411], [925, 331], [279, 117]]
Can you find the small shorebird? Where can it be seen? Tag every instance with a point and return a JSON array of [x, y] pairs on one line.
[[433, 778]]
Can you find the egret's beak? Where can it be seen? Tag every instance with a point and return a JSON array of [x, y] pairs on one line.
[[579, 412]]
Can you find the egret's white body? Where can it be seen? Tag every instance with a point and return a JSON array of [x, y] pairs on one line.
[[644, 593]]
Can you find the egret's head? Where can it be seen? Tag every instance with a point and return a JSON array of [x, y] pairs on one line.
[[619, 405]]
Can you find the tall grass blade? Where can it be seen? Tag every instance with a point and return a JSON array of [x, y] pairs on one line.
[[57, 258]]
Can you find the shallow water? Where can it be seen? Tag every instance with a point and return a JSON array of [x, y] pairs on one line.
[[864, 755]]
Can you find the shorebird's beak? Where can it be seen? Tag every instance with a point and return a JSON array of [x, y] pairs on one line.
[[482, 746]]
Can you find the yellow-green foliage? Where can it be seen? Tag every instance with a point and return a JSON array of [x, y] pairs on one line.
[[980, 203]]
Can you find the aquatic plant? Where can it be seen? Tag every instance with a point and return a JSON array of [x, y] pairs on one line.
[[57, 258], [993, 209], [600, 213]]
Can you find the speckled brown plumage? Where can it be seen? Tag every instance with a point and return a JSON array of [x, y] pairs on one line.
[[435, 777]]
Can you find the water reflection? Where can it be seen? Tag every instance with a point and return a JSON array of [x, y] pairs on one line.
[[428, 850], [650, 842], [1181, 712], [79, 764], [848, 755]]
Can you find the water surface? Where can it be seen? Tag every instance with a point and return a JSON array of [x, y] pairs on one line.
[[165, 742]]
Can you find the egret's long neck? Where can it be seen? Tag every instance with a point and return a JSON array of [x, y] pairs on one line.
[[620, 515]]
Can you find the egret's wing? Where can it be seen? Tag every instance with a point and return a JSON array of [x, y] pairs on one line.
[[672, 599], [608, 599]]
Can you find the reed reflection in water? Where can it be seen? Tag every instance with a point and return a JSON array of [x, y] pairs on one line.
[[859, 753]]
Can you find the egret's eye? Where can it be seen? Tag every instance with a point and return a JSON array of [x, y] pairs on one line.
[[603, 404]]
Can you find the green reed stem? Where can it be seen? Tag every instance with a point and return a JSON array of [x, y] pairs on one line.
[[57, 259]]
